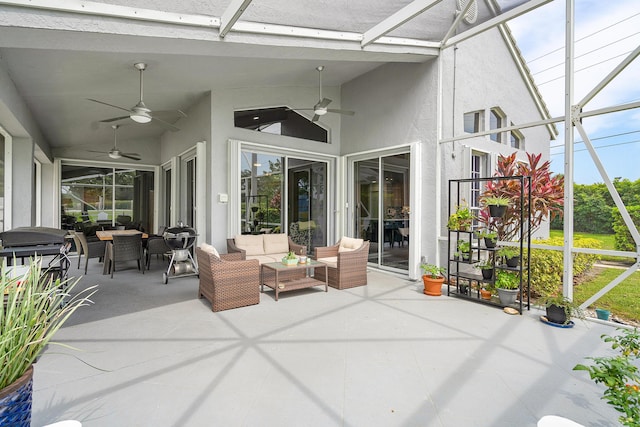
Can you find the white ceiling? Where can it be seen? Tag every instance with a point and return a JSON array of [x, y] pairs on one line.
[[58, 59]]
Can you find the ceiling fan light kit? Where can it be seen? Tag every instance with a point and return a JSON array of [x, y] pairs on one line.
[[320, 109], [140, 113]]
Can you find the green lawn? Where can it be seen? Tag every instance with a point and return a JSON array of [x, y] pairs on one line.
[[607, 240], [623, 300]]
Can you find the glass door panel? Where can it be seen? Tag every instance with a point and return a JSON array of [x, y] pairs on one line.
[[367, 202], [395, 206], [307, 211]]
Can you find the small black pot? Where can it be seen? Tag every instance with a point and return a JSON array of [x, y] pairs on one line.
[[487, 273], [497, 211], [556, 314], [513, 262], [463, 289], [490, 243]]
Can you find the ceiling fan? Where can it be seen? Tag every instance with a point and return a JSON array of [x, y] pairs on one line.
[[115, 153], [320, 109], [140, 113]]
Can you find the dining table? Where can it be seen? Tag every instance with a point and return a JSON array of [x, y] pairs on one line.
[[108, 234]]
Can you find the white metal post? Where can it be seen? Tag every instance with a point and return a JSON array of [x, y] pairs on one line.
[[567, 276]]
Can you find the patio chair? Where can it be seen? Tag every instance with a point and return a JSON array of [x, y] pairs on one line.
[[126, 248], [89, 248], [346, 263], [156, 245], [227, 280]]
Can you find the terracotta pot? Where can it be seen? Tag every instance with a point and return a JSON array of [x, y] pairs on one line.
[[484, 294], [15, 401], [432, 286]]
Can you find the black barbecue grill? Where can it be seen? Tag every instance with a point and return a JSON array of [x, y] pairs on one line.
[[24, 242], [180, 239]]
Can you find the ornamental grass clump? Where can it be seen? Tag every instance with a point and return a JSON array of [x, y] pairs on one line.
[[619, 374], [35, 306]]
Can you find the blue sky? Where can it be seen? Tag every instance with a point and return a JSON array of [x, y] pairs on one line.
[[606, 32]]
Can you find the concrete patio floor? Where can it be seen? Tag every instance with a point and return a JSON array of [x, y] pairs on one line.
[[382, 355]]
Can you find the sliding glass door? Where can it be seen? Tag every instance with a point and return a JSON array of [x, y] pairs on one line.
[[382, 208], [282, 194]]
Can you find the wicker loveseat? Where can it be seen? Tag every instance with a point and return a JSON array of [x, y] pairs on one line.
[[264, 247], [346, 263], [267, 248], [227, 280]]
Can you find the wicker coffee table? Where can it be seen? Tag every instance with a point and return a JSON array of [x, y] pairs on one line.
[[284, 285]]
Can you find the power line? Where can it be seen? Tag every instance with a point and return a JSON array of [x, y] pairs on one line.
[[599, 138], [585, 37], [586, 68], [587, 53], [601, 146]]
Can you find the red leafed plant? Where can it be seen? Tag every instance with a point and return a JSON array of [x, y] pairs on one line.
[[547, 195]]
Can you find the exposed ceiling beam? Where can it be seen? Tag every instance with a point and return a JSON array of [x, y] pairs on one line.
[[405, 14], [231, 15], [500, 19], [459, 18]]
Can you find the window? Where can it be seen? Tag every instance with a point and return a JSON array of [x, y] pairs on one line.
[[479, 169], [517, 140], [473, 122], [496, 121], [280, 121]]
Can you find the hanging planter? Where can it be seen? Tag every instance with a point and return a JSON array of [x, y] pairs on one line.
[[497, 205]]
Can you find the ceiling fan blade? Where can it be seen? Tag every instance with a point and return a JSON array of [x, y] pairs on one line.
[[315, 118], [96, 151], [345, 112], [323, 103], [170, 114], [110, 105], [115, 119], [132, 156], [165, 124]]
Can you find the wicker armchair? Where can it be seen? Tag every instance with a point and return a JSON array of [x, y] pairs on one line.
[[228, 281], [346, 269], [126, 248], [90, 249]]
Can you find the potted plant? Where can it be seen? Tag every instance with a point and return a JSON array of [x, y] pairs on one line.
[[560, 309], [290, 259], [432, 278], [486, 268], [497, 205], [464, 249], [508, 285], [486, 291], [461, 219], [510, 254], [490, 237], [619, 374], [35, 306]]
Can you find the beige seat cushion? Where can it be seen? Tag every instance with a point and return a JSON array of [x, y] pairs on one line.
[[209, 249], [252, 244], [331, 261], [275, 243], [349, 244]]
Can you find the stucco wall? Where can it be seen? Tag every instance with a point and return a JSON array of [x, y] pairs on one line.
[[396, 104]]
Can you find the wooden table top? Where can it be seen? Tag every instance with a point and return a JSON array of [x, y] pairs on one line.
[[108, 234]]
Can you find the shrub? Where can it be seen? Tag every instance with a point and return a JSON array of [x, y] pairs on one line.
[[546, 265], [623, 239]]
